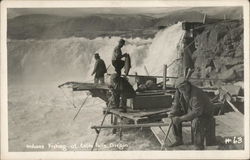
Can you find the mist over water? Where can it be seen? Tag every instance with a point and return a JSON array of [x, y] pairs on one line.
[[165, 49], [39, 113], [71, 59]]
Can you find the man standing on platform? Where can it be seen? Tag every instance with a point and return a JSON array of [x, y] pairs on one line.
[[117, 56], [191, 104], [99, 69], [121, 91]]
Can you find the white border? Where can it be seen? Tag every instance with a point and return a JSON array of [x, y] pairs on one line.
[[218, 154]]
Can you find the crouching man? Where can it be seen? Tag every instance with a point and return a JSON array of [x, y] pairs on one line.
[[191, 104], [121, 91]]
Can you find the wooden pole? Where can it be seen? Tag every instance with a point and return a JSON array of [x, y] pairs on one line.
[[164, 76], [80, 107], [146, 70], [98, 133], [169, 127], [233, 107], [198, 79], [204, 19]]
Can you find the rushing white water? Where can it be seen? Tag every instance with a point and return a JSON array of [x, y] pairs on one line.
[[70, 59], [164, 50], [43, 116]]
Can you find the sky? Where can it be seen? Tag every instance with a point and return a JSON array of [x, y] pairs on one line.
[[157, 11]]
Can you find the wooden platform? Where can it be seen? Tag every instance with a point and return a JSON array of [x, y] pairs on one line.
[[230, 125], [79, 86], [138, 116]]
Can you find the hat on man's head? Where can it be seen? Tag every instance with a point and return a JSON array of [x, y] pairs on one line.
[[97, 55], [122, 41], [180, 81]]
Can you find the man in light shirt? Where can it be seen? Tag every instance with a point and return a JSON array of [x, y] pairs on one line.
[[117, 56]]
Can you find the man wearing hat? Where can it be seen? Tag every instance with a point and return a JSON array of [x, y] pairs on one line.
[[117, 56], [190, 104], [121, 91], [99, 69]]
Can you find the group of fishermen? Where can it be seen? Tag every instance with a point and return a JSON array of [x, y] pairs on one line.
[[120, 87], [117, 62], [190, 102]]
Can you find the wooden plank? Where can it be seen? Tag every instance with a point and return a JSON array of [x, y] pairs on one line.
[[156, 112], [139, 116], [200, 79], [89, 86], [158, 133], [79, 86], [234, 108], [239, 99], [150, 93], [152, 101], [232, 89], [138, 113], [166, 136], [230, 124], [131, 125], [121, 114]]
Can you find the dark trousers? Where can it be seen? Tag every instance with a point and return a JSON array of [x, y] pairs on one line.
[[118, 64], [198, 131], [120, 100], [188, 74]]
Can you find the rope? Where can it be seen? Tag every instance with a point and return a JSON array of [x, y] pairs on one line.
[[80, 107], [98, 133], [67, 98]]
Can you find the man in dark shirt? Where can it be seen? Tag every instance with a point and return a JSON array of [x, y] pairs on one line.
[[121, 91], [190, 104], [117, 56], [188, 64], [99, 69]]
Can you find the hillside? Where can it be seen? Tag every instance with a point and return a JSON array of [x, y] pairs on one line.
[[179, 16], [31, 26], [99, 25], [44, 26]]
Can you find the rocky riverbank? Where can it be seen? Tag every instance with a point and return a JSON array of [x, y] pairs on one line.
[[219, 52]]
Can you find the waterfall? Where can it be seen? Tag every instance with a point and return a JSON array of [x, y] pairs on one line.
[[71, 59]]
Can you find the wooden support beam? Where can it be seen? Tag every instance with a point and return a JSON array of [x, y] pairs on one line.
[[239, 99], [136, 125], [234, 108], [198, 79], [164, 76], [149, 94], [146, 70]]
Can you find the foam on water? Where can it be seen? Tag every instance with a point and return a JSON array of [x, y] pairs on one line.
[[164, 50], [59, 60], [44, 115]]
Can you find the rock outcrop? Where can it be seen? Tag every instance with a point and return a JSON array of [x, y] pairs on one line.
[[219, 52]]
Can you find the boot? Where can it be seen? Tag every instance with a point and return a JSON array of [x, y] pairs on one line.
[[176, 143], [124, 110], [199, 147]]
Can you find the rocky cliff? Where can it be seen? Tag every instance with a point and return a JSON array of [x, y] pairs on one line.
[[219, 52]]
